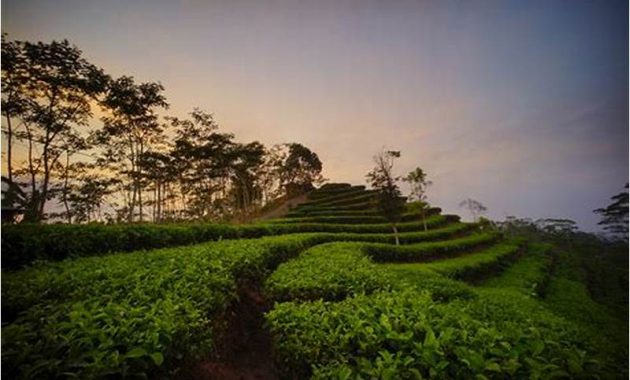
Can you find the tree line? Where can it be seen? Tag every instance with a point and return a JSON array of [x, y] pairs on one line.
[[136, 164], [391, 204]]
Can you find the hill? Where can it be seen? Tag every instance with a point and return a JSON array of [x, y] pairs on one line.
[[323, 288]]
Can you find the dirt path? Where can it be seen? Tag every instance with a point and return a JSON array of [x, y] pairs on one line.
[[244, 351]]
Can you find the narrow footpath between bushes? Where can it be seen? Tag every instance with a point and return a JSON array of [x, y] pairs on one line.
[[244, 350]]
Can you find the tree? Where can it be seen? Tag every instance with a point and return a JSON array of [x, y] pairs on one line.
[[203, 159], [417, 179], [556, 226], [87, 197], [244, 173], [50, 88], [382, 179], [157, 170], [474, 207], [13, 197], [300, 169], [614, 217], [14, 77], [129, 130]]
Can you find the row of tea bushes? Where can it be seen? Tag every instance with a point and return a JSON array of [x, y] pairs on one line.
[[24, 244], [337, 270], [330, 271], [354, 219], [128, 315], [407, 335], [430, 251]]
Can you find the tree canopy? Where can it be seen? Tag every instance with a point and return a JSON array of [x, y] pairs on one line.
[[614, 217], [382, 178], [138, 164]]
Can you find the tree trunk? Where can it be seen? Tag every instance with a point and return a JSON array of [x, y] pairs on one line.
[[9, 148], [159, 201], [31, 208], [65, 189], [140, 201], [154, 204], [424, 220], [396, 234], [139, 177]]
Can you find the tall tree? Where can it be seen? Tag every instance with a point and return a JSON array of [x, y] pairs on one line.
[[474, 207], [129, 130], [614, 217], [556, 226], [158, 170], [203, 158], [245, 173], [51, 89], [14, 77], [419, 183], [300, 169], [390, 202], [88, 195]]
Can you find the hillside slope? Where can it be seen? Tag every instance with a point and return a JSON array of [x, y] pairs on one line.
[[324, 288]]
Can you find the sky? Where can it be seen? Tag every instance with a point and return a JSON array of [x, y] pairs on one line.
[[521, 105]]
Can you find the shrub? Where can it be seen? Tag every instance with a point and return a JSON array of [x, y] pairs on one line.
[[329, 271], [404, 334], [128, 315]]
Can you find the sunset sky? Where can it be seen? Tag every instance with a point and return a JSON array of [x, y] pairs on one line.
[[521, 105]]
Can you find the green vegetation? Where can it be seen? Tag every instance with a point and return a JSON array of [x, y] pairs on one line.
[[23, 244], [126, 314], [529, 274], [456, 301], [330, 271], [430, 251], [353, 219], [406, 335]]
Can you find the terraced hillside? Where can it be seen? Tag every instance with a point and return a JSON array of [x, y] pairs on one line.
[[322, 292]]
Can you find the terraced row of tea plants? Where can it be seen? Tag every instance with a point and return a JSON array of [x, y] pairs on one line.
[[340, 300]]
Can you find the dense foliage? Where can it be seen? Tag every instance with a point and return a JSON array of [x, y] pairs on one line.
[[404, 334], [23, 244], [343, 301], [126, 314], [133, 163]]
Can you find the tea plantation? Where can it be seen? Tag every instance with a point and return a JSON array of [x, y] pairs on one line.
[[340, 299]]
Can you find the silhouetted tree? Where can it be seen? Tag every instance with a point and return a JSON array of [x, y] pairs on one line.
[[129, 130], [419, 183], [14, 95], [382, 179], [87, 197], [157, 169], [199, 173], [615, 216], [300, 169], [50, 88], [245, 170], [203, 159], [556, 226], [474, 207]]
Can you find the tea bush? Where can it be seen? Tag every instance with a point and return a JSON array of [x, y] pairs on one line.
[[429, 251], [124, 315], [405, 335], [330, 271]]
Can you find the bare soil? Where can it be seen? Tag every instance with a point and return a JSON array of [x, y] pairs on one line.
[[244, 350]]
